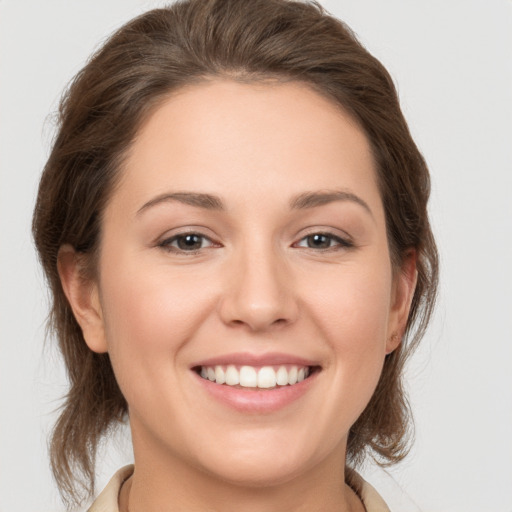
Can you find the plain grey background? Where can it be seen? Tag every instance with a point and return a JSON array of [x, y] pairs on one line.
[[452, 61]]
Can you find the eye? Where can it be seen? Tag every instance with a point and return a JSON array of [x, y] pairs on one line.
[[323, 241], [186, 242]]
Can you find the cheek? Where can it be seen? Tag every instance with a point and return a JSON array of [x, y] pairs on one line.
[[353, 306], [353, 317], [149, 316]]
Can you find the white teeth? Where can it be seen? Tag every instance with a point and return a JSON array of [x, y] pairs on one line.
[[250, 377], [292, 376], [232, 376], [220, 376], [282, 376], [267, 377]]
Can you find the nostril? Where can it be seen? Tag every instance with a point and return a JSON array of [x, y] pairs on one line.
[[258, 322], [259, 297]]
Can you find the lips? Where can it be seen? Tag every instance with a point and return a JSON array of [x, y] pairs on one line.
[[256, 383]]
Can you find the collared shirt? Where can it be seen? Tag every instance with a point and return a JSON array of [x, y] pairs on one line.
[[107, 501]]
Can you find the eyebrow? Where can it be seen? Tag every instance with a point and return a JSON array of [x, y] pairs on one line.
[[319, 198], [302, 201], [206, 201]]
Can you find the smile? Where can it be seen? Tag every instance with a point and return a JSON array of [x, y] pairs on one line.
[[265, 377], [256, 383]]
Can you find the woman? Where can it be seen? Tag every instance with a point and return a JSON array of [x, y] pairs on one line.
[[233, 224]]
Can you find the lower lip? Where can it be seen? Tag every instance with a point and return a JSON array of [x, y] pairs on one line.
[[257, 400]]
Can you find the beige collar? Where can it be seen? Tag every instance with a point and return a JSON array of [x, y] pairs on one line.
[[107, 501]]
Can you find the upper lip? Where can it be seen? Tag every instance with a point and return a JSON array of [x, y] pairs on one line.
[[248, 359]]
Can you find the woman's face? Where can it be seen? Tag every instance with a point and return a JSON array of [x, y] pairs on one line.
[[246, 241]]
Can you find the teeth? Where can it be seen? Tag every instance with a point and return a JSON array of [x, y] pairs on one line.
[[282, 376], [267, 377], [248, 377], [220, 376], [251, 377], [232, 376]]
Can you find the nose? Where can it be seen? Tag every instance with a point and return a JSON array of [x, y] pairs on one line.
[[259, 292]]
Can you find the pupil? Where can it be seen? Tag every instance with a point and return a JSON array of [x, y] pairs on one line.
[[319, 241], [189, 242]]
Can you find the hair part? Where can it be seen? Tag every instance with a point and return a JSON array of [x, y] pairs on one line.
[[100, 114]]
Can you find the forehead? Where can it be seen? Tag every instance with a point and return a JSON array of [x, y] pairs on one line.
[[233, 138]]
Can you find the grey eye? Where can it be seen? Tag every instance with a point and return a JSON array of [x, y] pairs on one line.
[[189, 242], [323, 241], [186, 242], [319, 241]]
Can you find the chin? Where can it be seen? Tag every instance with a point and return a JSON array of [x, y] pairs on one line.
[[263, 472], [265, 460]]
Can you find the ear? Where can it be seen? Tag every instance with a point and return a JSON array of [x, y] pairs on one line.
[[83, 297], [403, 293]]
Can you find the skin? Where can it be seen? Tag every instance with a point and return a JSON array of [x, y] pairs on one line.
[[255, 285]]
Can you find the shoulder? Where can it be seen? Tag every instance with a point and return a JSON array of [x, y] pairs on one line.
[[371, 499], [107, 501]]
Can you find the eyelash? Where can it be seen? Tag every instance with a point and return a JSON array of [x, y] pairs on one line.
[[336, 243], [167, 244]]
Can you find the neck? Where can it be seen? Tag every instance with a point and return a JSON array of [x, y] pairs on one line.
[[168, 484]]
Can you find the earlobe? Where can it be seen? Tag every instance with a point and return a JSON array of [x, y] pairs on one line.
[[403, 293], [393, 342], [83, 297]]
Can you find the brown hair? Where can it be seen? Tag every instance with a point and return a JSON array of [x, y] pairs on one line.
[[137, 68]]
